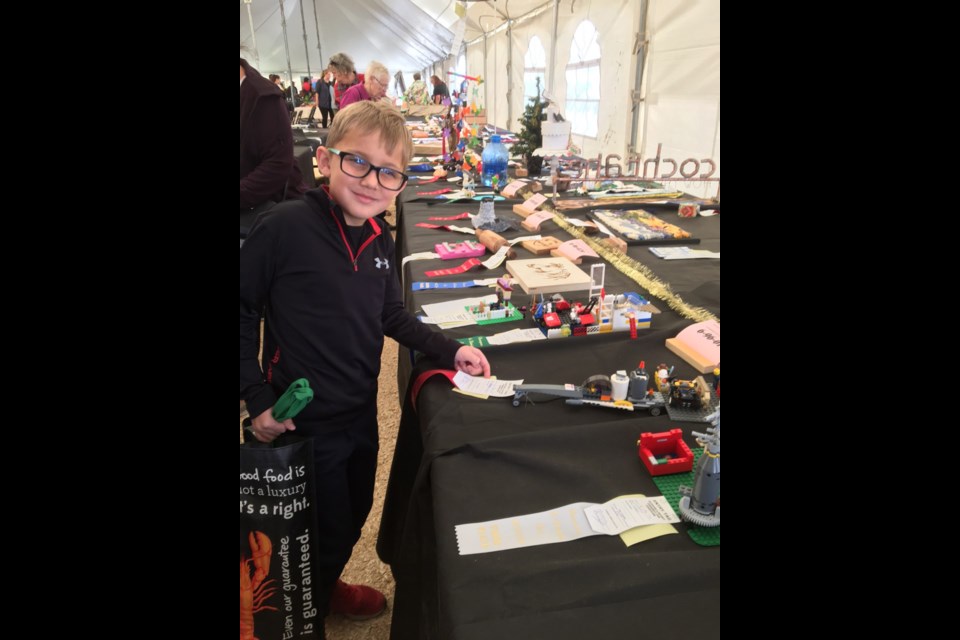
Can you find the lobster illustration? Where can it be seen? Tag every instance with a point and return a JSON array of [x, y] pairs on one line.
[[254, 590]]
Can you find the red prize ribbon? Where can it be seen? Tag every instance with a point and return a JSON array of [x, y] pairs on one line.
[[462, 216], [435, 193], [427, 225], [463, 268], [423, 377]]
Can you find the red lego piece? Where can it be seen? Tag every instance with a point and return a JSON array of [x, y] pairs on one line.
[[664, 453]]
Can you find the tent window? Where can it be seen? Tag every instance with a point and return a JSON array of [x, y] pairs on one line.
[[583, 81], [534, 66]]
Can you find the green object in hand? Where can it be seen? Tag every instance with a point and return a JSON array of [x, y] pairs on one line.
[[293, 400]]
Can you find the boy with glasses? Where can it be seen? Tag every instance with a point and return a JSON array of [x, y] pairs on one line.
[[322, 271]]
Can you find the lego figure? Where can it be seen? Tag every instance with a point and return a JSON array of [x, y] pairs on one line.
[[663, 377], [504, 289]]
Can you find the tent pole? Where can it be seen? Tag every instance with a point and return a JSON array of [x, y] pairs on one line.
[[286, 48], [509, 73], [306, 47], [253, 36], [635, 95], [553, 48], [316, 21], [486, 84]]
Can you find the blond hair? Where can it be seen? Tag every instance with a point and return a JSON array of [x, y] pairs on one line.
[[369, 116]]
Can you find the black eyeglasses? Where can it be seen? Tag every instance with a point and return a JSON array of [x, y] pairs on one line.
[[357, 167]]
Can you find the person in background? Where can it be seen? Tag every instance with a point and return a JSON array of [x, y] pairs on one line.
[[440, 90], [268, 173], [275, 79], [323, 274], [374, 86], [346, 75], [417, 93], [325, 97]]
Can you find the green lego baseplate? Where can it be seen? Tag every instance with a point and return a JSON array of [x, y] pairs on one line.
[[476, 341], [670, 488]]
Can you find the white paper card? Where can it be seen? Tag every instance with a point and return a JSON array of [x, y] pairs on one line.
[[621, 514], [485, 386], [496, 259], [423, 255]]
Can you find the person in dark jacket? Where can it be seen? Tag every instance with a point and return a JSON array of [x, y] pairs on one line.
[[325, 97], [440, 90], [268, 173], [323, 273]]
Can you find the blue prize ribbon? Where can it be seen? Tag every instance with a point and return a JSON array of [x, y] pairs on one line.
[[420, 286]]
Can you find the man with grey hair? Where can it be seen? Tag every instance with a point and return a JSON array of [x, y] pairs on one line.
[[374, 86]]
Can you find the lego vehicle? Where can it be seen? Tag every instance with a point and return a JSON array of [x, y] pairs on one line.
[[598, 391]]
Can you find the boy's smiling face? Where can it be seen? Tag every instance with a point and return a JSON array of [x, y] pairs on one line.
[[360, 198]]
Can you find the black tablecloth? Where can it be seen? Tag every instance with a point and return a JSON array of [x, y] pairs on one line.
[[462, 460]]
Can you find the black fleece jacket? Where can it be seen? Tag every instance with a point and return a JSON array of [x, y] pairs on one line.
[[327, 308]]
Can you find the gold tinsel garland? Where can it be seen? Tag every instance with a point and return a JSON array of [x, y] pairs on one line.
[[634, 270]]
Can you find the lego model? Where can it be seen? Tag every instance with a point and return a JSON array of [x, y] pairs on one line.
[[629, 393], [453, 251], [664, 453], [494, 313], [701, 504], [685, 395], [682, 394], [602, 313]]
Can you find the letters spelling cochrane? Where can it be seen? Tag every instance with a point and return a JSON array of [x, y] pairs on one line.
[[634, 162]]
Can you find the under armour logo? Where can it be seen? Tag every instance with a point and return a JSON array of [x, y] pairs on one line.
[[385, 263]]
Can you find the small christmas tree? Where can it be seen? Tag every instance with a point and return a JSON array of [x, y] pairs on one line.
[[530, 137]]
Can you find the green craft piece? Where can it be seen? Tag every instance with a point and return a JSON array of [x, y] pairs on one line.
[[293, 400], [670, 488], [476, 341]]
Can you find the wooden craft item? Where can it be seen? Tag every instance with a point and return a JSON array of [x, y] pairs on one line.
[[494, 241], [615, 243], [536, 220], [698, 345], [530, 205], [548, 275], [576, 251], [542, 246]]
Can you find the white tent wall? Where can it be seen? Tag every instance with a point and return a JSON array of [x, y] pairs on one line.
[[681, 78], [682, 86]]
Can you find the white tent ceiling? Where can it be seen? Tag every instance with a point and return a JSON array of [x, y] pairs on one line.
[[405, 35]]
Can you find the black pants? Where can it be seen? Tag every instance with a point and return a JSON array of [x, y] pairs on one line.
[[327, 113], [345, 466]]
